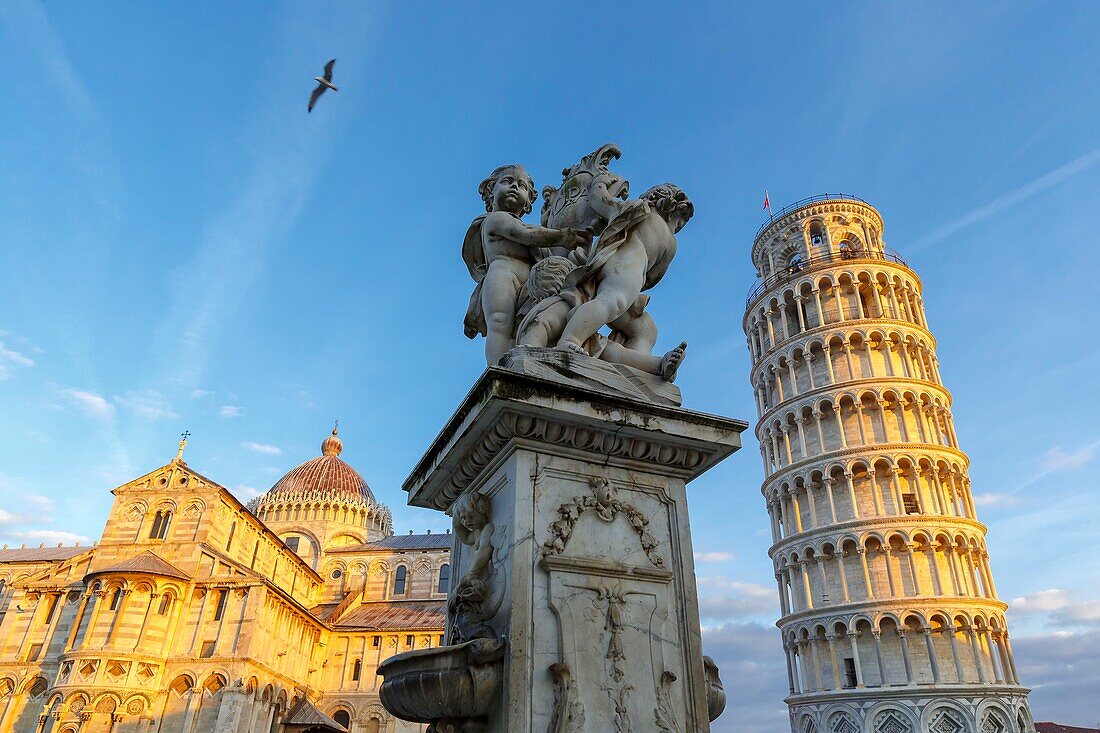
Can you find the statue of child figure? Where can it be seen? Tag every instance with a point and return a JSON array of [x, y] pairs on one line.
[[499, 249], [554, 305], [632, 255]]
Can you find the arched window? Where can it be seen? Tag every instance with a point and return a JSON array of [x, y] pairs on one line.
[[165, 605], [356, 670], [399, 579], [343, 717], [3, 586], [444, 578], [160, 524], [817, 234], [115, 598]]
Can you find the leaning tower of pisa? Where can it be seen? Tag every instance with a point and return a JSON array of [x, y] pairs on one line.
[[890, 617]]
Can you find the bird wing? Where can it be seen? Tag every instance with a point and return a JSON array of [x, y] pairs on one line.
[[316, 95], [328, 70]]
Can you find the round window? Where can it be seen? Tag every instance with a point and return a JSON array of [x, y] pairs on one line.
[[337, 574]]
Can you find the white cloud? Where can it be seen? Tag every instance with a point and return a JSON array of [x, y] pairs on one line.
[[714, 556], [1060, 668], [230, 411], [724, 599], [7, 517], [1058, 459], [197, 394], [147, 404], [245, 492], [1086, 161], [752, 667], [1051, 599], [11, 360], [264, 448], [992, 499], [1062, 608], [87, 402], [48, 536]]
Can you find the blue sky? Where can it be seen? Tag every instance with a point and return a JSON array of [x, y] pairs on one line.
[[182, 247]]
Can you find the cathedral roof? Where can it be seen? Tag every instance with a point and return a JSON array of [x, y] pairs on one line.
[[40, 554], [147, 563], [306, 714], [395, 616], [326, 473], [402, 542]]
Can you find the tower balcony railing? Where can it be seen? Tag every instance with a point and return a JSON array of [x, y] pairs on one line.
[[808, 200], [797, 267]]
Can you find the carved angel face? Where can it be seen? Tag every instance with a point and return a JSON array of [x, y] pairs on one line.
[[512, 191]]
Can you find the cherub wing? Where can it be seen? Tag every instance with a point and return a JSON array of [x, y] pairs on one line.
[[473, 254]]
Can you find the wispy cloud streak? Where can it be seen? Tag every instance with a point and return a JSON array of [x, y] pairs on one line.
[[1020, 194], [1057, 459]]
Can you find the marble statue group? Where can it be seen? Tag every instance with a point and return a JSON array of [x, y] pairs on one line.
[[586, 266]]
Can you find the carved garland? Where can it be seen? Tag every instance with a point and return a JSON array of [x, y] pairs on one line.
[[607, 506], [608, 442]]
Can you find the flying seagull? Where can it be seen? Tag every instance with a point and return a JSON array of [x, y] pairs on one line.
[[323, 83]]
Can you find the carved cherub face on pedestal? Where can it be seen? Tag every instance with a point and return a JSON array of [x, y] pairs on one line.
[[471, 514]]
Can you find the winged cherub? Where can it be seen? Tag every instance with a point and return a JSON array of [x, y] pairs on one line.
[[632, 255], [499, 250]]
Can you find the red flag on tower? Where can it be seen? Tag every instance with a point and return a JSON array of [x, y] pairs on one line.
[[767, 202]]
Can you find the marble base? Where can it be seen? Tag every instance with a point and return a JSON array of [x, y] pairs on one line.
[[567, 368], [591, 549]]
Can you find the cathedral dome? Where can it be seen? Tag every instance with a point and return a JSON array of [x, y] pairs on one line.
[[326, 473]]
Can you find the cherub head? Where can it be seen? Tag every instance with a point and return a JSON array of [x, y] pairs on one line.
[[471, 513], [670, 201], [548, 276], [508, 188]]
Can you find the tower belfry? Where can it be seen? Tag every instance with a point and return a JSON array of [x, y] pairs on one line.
[[890, 619]]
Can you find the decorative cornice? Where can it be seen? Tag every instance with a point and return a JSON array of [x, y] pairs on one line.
[[506, 409]]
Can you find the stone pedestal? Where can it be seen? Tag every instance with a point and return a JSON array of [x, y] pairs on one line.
[[578, 555]]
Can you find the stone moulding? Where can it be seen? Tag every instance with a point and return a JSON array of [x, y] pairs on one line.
[[525, 411]]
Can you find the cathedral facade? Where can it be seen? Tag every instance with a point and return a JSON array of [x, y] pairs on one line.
[[196, 613], [889, 614]]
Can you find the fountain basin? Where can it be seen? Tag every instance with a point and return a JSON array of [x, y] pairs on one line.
[[453, 683]]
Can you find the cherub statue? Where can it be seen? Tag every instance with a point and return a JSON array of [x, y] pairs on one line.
[[631, 256], [473, 601], [499, 249], [553, 307]]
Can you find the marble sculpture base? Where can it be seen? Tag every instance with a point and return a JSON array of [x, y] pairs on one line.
[[592, 550]]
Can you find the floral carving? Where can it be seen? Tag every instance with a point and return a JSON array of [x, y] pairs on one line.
[[607, 506], [664, 714], [568, 714]]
